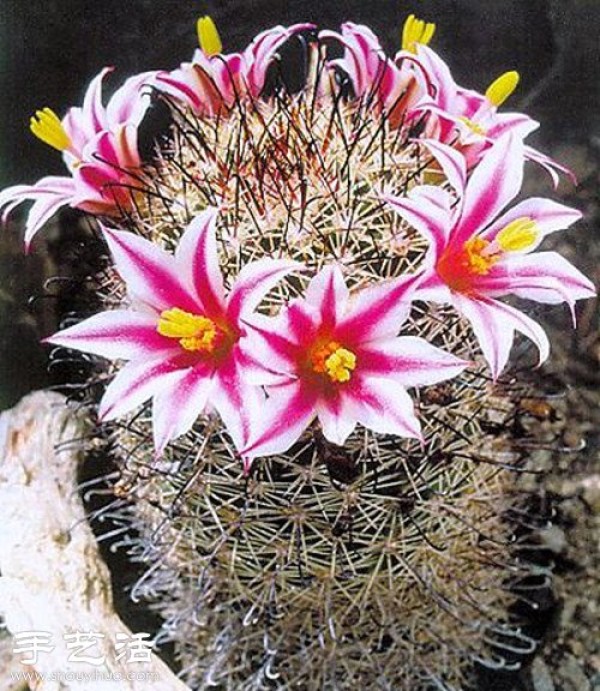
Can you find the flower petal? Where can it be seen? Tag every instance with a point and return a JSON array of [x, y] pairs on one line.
[[429, 214], [197, 261], [252, 284], [238, 401], [135, 383], [451, 161], [286, 414], [551, 166], [328, 294], [542, 276], [549, 216], [378, 311], [382, 405], [335, 413], [409, 361], [149, 272], [116, 335], [176, 407], [265, 352], [494, 324], [48, 195], [494, 183], [130, 101]]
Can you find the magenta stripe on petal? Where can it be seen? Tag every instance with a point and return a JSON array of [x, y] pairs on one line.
[[287, 413], [179, 403], [494, 183], [118, 334], [197, 260], [149, 272]]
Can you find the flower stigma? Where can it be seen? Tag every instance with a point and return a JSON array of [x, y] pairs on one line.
[[416, 31], [195, 333], [503, 87], [208, 36], [47, 127], [334, 361], [475, 127], [518, 235]]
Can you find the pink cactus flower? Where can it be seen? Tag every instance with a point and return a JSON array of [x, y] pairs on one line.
[[470, 121], [340, 359], [99, 147], [396, 86], [477, 254], [213, 80], [182, 336]]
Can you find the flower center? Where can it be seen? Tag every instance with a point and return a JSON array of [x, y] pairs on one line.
[[334, 361], [477, 256], [194, 332], [46, 125]]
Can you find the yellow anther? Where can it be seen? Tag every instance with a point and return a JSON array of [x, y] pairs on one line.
[[478, 257], [194, 332], [500, 89], [46, 125], [518, 235], [208, 36], [475, 127], [416, 31], [340, 364], [334, 361]]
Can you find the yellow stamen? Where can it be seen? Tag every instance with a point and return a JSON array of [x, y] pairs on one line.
[[500, 89], [416, 31], [478, 256], [208, 36], [518, 235], [193, 331], [334, 361], [473, 126], [46, 125]]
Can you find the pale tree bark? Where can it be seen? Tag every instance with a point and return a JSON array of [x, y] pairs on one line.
[[53, 582]]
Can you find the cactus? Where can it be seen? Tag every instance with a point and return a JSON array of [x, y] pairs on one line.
[[373, 560]]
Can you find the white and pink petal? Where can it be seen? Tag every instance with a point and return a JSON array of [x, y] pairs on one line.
[[178, 404], [150, 273], [409, 361], [115, 334], [287, 412], [135, 383], [494, 324]]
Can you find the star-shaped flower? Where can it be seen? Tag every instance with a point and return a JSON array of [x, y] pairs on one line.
[[478, 254], [339, 358], [183, 336]]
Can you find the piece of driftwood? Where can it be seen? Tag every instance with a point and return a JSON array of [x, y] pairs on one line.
[[55, 590]]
